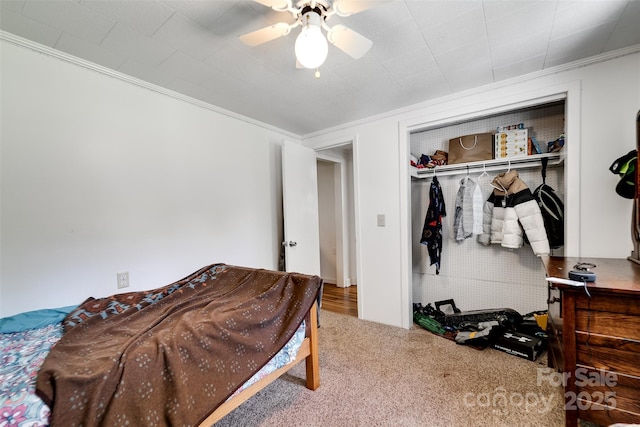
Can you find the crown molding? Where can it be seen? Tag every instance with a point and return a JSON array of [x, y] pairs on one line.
[[37, 47], [603, 57], [49, 51]]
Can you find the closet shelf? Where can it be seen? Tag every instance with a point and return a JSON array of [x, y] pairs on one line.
[[489, 165]]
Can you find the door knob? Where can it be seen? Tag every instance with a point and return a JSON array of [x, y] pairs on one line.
[[289, 243]]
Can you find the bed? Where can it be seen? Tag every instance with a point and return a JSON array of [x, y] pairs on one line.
[[184, 354]]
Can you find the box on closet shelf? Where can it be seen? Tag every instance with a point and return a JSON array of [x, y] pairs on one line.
[[511, 143]]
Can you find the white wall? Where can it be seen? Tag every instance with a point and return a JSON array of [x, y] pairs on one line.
[[100, 176], [608, 95], [610, 103]]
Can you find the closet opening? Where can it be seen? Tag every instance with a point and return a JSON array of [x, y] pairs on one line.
[[474, 275]]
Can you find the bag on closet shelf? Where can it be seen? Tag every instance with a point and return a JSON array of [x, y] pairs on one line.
[[471, 148]]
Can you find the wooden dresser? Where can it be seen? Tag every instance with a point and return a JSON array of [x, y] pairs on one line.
[[595, 341]]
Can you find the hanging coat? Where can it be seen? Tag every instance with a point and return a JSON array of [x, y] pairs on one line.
[[432, 230], [510, 209], [467, 218]]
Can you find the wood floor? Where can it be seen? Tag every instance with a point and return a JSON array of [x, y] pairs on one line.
[[340, 300]]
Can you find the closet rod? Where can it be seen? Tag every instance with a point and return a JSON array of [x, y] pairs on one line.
[[488, 165]]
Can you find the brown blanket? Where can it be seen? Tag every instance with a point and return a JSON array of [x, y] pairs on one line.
[[171, 356]]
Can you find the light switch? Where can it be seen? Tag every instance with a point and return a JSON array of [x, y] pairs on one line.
[[380, 220]]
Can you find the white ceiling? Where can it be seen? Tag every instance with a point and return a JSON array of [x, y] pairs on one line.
[[421, 49]]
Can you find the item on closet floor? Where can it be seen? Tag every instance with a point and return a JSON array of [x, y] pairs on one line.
[[504, 329], [481, 335], [519, 344], [625, 166], [534, 324], [506, 317], [425, 318], [511, 208], [471, 148], [428, 323], [447, 314], [447, 306], [551, 209], [511, 143], [432, 229]]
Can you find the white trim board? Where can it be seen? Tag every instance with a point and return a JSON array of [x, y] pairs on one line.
[[570, 92]]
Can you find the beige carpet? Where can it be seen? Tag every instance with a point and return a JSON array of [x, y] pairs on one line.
[[377, 375]]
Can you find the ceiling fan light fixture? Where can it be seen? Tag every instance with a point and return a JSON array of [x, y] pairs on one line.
[[311, 45]]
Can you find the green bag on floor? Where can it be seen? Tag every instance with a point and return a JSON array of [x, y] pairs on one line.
[[428, 323]]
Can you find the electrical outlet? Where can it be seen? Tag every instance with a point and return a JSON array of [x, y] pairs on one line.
[[123, 280]]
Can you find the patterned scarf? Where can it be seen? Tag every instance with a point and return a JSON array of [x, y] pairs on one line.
[[432, 230]]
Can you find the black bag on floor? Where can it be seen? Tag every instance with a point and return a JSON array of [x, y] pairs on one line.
[[506, 317]]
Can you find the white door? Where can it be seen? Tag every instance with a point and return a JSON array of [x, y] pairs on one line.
[[300, 209]]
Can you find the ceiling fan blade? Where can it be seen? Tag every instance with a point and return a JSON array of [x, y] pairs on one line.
[[266, 34], [279, 5], [352, 43], [349, 7]]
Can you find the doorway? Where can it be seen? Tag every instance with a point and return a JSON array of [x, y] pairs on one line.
[[336, 215]]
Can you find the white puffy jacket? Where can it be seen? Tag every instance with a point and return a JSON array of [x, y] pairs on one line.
[[510, 209]]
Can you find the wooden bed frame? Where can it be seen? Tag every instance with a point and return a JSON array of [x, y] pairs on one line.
[[308, 352]]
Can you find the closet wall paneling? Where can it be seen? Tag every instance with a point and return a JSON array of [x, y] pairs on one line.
[[477, 276]]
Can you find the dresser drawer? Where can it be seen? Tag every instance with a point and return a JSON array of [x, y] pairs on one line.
[[607, 323], [621, 392], [604, 352], [608, 303], [605, 417]]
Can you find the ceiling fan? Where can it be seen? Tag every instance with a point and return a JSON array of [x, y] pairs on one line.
[[311, 45]]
